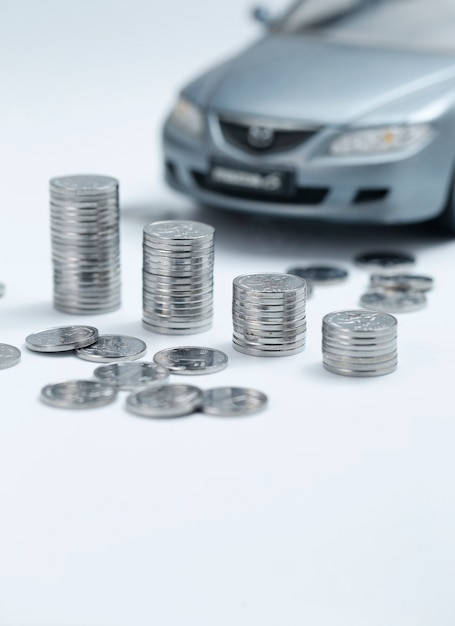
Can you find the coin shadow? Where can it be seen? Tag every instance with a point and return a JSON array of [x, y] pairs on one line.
[[156, 419]]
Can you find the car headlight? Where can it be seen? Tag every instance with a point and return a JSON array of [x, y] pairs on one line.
[[379, 140], [188, 118]]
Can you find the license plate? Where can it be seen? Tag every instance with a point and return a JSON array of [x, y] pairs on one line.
[[266, 181]]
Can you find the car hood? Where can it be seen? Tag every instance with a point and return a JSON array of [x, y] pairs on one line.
[[304, 78]]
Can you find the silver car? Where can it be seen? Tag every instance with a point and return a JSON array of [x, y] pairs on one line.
[[344, 110]]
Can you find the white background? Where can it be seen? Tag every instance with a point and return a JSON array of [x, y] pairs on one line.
[[334, 507]]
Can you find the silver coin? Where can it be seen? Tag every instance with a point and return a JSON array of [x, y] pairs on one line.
[[9, 356], [278, 352], [393, 301], [164, 401], [320, 274], [360, 362], [361, 323], [171, 330], [109, 348], [385, 260], [131, 375], [78, 394], [179, 230], [191, 360], [360, 373], [233, 401], [83, 184], [402, 282], [271, 285], [62, 338], [2, 290]]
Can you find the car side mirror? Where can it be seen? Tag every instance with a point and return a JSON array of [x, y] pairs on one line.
[[262, 15]]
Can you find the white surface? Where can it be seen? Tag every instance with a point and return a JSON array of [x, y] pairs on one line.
[[334, 507]]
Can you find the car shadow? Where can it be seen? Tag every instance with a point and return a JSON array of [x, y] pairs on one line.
[[252, 234]]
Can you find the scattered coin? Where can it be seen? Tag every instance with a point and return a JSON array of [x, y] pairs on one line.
[[402, 282], [165, 401], [132, 375], [320, 274], [191, 360], [61, 338], [9, 356], [393, 301], [382, 260], [78, 394], [233, 401], [108, 348]]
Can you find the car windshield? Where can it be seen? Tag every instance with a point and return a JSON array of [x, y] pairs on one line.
[[422, 24]]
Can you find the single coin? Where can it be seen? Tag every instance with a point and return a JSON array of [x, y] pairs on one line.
[[383, 260], [393, 301], [83, 184], [191, 360], [78, 394], [2, 290], [165, 401], [9, 356], [109, 348], [320, 274], [233, 401], [402, 282], [61, 338], [131, 375], [271, 286], [360, 323], [179, 230]]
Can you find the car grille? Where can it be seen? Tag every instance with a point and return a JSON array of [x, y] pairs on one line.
[[238, 135]]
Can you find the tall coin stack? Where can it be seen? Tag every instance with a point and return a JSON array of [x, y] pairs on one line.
[[269, 314], [178, 258], [359, 343], [85, 243]]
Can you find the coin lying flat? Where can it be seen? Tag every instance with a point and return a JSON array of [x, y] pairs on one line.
[[393, 301], [61, 338], [9, 356], [382, 260], [132, 375], [109, 348], [191, 360], [402, 282], [232, 401], [78, 394], [320, 274], [165, 401]]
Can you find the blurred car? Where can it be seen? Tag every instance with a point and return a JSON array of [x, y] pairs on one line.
[[343, 110]]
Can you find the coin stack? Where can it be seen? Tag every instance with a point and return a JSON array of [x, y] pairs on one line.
[[85, 243], [269, 314], [359, 343], [177, 295]]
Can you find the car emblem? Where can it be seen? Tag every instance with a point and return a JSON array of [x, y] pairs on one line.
[[260, 137]]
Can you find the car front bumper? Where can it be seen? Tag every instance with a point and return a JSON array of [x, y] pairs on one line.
[[402, 188]]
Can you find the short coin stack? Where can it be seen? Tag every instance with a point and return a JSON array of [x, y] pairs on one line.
[[269, 314], [178, 258], [85, 243], [359, 343]]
